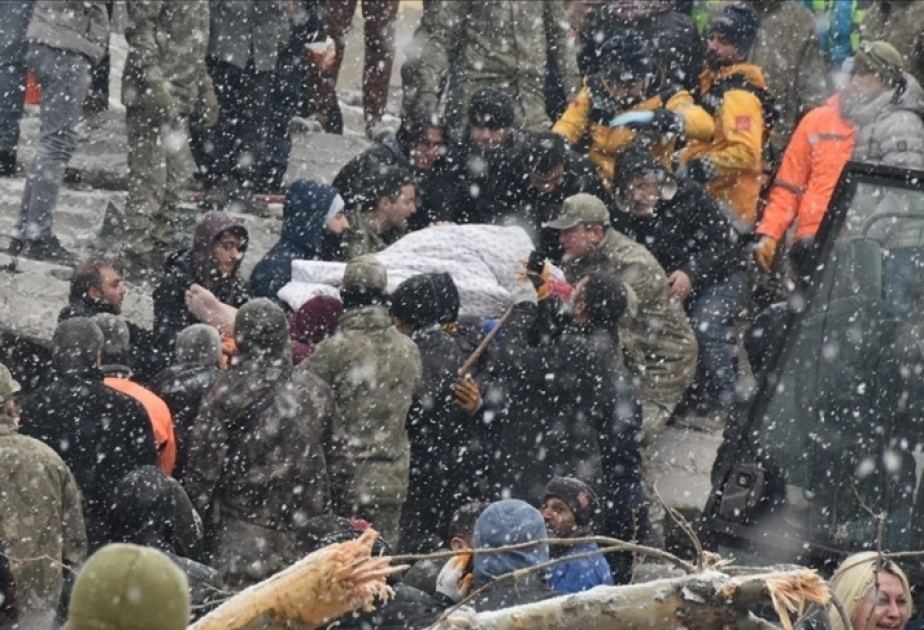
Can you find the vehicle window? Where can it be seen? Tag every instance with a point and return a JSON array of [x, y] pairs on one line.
[[845, 422]]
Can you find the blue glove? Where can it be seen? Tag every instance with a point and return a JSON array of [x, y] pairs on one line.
[[632, 118]]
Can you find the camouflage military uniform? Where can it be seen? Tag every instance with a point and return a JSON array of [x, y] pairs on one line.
[[258, 484], [165, 78], [501, 44], [659, 343], [40, 520], [364, 240], [374, 371]]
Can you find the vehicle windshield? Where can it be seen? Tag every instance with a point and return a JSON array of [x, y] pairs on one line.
[[845, 422]]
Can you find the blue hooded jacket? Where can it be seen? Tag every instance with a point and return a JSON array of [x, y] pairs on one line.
[[581, 574], [504, 523], [306, 205]]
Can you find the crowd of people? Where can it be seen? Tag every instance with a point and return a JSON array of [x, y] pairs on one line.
[[656, 159]]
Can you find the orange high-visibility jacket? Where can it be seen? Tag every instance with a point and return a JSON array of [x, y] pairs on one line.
[[820, 147], [161, 419]]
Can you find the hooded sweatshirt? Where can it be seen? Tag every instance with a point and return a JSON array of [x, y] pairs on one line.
[[510, 522], [303, 236], [194, 266]]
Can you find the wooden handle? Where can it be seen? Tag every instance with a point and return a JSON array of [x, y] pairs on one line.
[[476, 354]]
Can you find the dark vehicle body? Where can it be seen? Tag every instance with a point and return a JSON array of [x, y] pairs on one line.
[[826, 459]]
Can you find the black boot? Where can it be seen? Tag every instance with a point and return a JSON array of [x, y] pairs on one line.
[[7, 163]]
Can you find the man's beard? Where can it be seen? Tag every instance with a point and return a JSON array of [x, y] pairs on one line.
[[334, 244], [714, 61]]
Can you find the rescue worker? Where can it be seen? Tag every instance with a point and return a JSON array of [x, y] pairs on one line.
[[627, 101], [504, 44], [374, 371], [380, 215], [267, 452], [164, 85], [839, 23], [734, 92], [42, 522], [875, 118], [659, 343]]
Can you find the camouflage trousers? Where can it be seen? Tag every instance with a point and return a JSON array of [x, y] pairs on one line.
[[159, 164]]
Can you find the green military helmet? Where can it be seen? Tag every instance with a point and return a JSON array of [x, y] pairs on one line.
[[127, 587], [365, 272]]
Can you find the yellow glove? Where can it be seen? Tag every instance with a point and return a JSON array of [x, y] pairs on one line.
[[765, 252], [468, 395]]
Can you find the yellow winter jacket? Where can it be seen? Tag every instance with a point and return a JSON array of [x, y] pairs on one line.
[[731, 165], [588, 115]]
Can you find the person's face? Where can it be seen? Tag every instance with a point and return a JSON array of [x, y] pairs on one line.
[[547, 182], [720, 53], [885, 609], [339, 224], [425, 154], [578, 241], [227, 252], [861, 89], [643, 194], [111, 289], [489, 140], [559, 519], [627, 94], [399, 210]]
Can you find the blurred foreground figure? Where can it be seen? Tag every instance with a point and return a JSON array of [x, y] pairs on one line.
[[42, 524], [126, 587], [13, 48]]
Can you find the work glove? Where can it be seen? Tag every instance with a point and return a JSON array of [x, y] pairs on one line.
[[524, 291], [158, 102], [765, 252], [207, 108], [322, 54], [455, 579], [658, 120], [630, 119], [538, 271], [468, 395]]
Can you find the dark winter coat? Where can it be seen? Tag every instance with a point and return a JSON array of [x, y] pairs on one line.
[[410, 609], [688, 232], [571, 401], [152, 510], [182, 387], [516, 201], [194, 266], [471, 178], [440, 476], [580, 574], [145, 358], [101, 434], [302, 238], [257, 480], [672, 38]]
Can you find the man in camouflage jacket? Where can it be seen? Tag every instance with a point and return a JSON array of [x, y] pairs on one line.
[[267, 453], [659, 343], [164, 84], [506, 44], [42, 520], [374, 371]]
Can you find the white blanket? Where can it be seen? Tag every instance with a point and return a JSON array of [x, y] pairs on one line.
[[483, 260]]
